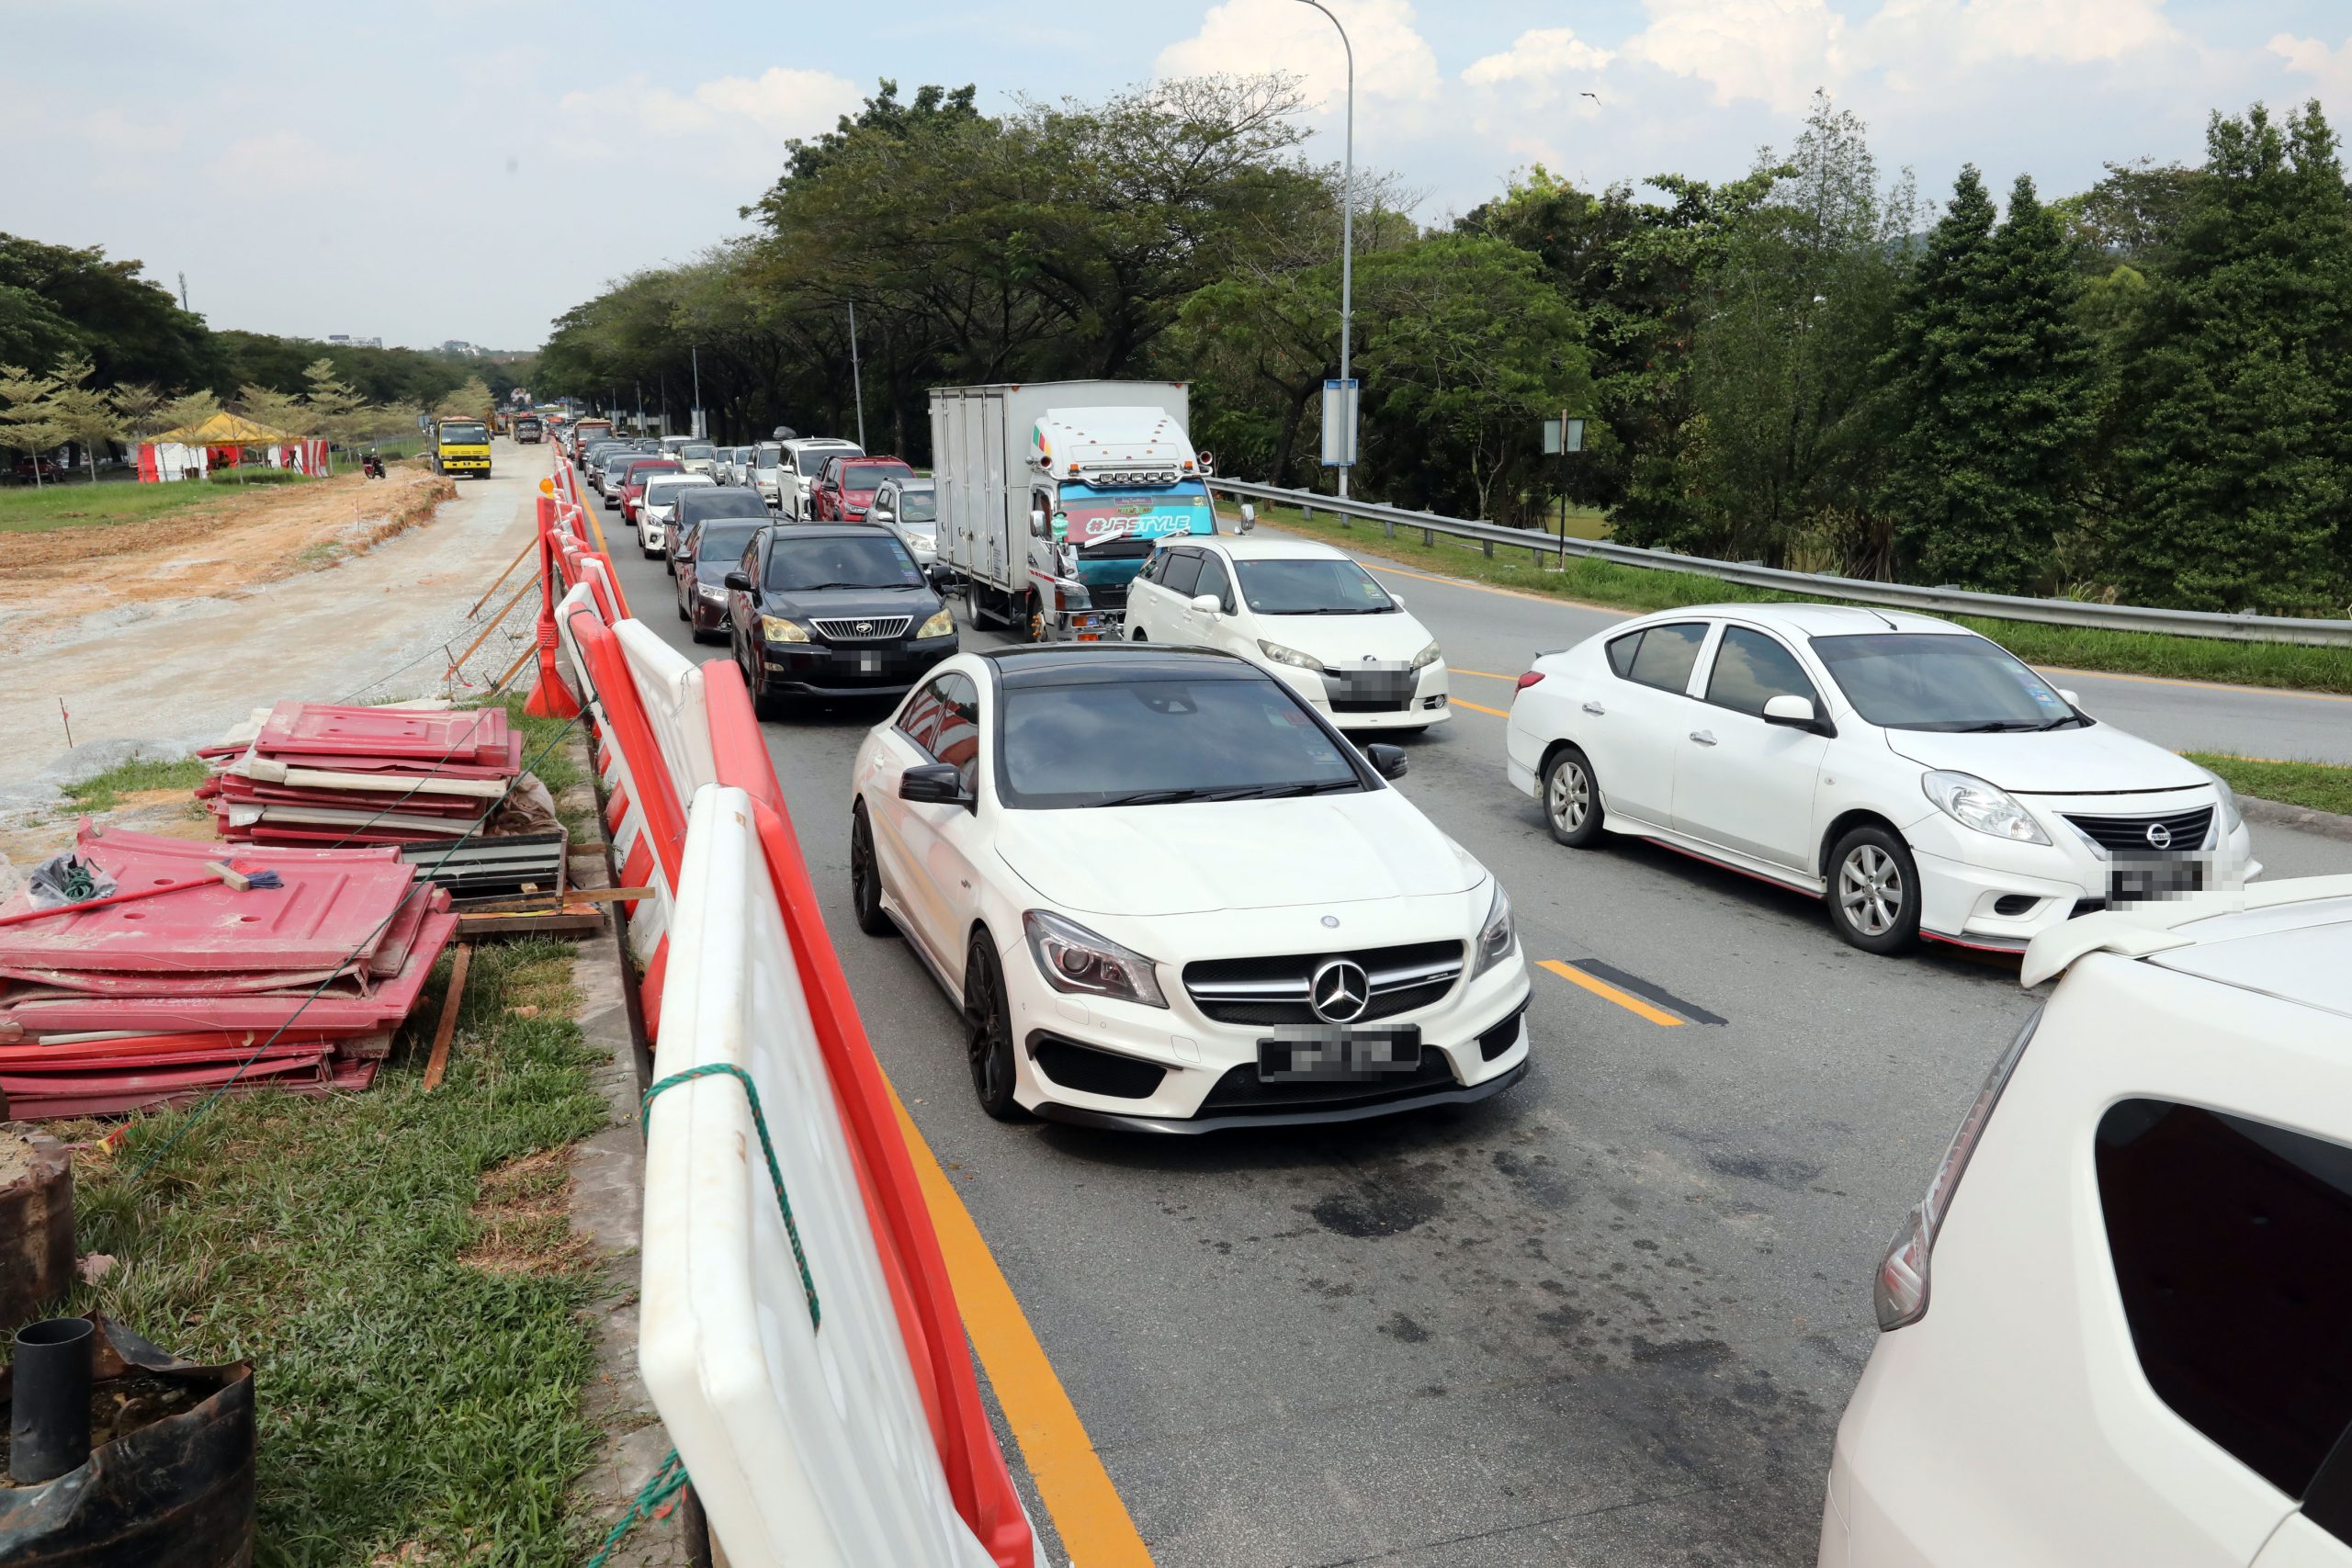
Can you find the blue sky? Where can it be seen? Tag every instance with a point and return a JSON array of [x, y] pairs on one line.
[[439, 170]]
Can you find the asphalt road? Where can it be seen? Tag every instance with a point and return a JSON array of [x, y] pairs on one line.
[[1609, 1317]]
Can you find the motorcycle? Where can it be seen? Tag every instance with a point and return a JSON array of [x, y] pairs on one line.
[[372, 466]]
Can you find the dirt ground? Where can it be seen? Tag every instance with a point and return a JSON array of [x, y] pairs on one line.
[[169, 632]]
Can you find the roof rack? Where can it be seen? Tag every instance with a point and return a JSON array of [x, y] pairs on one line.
[[2145, 929]]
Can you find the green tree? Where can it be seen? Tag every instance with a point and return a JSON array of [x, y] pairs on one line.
[[1989, 378], [129, 327], [2231, 480], [28, 424], [335, 409], [81, 412], [471, 400]]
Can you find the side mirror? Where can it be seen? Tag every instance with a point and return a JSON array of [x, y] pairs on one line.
[[1249, 517], [935, 784], [1388, 761], [1037, 524], [1208, 604], [2069, 698], [937, 573], [739, 583], [1398, 599], [1793, 712]]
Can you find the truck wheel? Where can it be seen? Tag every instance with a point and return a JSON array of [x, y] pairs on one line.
[[1039, 627]]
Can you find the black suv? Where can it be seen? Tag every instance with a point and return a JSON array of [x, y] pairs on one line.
[[833, 610]]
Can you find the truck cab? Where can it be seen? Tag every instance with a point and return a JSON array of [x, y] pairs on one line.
[[1107, 484]]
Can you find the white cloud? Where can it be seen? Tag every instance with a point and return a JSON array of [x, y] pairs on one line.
[[1922, 36], [1774, 50], [2309, 57], [1537, 59], [1393, 60], [781, 102]]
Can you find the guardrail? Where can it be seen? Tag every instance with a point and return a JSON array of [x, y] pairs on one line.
[[1812, 585]]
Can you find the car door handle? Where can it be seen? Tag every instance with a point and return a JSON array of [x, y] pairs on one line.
[[1594, 708], [1703, 737]]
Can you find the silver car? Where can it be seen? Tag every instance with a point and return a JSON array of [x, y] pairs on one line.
[[910, 508]]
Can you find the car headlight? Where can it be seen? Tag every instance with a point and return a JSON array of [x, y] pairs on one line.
[[1495, 938], [1970, 802], [711, 591], [2232, 818], [775, 628], [1426, 657], [1074, 959], [940, 625], [1289, 656]]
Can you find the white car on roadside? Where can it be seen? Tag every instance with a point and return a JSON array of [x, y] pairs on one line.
[[659, 505], [763, 471], [1169, 897], [2114, 1331], [1917, 777], [803, 459], [1306, 612]]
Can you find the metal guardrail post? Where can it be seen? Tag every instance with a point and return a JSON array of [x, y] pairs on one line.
[[2230, 626]]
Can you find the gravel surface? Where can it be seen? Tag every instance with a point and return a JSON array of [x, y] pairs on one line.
[[370, 628]]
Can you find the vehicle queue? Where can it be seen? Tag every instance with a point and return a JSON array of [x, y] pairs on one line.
[[1155, 862]]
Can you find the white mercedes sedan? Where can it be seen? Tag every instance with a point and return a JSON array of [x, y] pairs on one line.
[[1304, 612], [1169, 897], [1915, 775]]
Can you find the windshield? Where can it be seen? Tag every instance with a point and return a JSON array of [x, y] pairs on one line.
[[1162, 739], [1931, 681], [1312, 588], [919, 507], [767, 457], [641, 471], [1099, 512], [724, 541], [808, 459], [876, 560], [662, 491], [463, 434], [866, 481], [698, 449]]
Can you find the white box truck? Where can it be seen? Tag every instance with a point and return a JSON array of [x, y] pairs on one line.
[[1053, 494]]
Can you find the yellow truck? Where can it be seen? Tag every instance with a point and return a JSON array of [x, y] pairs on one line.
[[461, 446]]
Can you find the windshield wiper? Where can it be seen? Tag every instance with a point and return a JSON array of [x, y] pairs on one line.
[[1151, 797], [2060, 722], [820, 587], [1996, 727], [1281, 791]]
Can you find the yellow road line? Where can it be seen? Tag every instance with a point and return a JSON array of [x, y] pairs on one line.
[[1086, 1508], [2208, 685], [1479, 707], [1610, 993], [1483, 674]]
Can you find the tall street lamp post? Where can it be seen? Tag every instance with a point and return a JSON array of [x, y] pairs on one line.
[[1347, 250]]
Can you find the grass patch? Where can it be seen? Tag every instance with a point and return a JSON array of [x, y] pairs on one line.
[[1642, 589], [105, 791], [25, 510], [394, 1266], [2318, 786], [236, 477]]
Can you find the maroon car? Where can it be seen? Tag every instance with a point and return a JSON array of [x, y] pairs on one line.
[[706, 552], [845, 486]]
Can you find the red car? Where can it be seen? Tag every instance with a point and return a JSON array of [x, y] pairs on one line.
[[633, 482], [845, 486]]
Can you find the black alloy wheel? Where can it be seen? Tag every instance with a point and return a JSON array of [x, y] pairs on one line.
[[866, 878], [987, 1031]]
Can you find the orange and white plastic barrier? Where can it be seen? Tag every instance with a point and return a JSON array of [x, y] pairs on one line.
[[798, 1333]]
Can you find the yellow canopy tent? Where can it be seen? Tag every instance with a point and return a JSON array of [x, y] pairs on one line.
[[160, 456], [227, 430]]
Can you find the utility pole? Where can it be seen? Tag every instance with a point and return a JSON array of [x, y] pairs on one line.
[[857, 381], [1347, 244], [693, 420], [184, 293]]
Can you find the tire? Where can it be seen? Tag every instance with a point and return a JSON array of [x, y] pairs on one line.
[[1572, 807], [766, 707], [866, 878], [988, 1033], [1034, 624], [1874, 893], [688, 616]]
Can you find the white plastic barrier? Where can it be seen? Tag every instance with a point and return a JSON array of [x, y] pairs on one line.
[[671, 688], [649, 919], [790, 1400]]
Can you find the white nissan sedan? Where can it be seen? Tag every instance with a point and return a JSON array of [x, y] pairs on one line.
[[1169, 897], [1305, 611], [1914, 775]]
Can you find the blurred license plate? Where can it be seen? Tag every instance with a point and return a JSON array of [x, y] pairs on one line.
[[1334, 1054], [869, 664], [2137, 881]]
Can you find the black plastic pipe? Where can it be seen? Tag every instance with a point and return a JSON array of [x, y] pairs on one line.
[[48, 1414]]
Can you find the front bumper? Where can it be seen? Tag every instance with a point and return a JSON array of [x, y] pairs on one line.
[[851, 670], [1473, 1038], [650, 534], [1372, 698], [1964, 874], [706, 615]]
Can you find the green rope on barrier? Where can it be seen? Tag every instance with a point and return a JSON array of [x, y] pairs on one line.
[[775, 1174], [668, 1480]]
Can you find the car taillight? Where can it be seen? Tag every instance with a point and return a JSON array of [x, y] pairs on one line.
[[1900, 1293], [1528, 680]]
